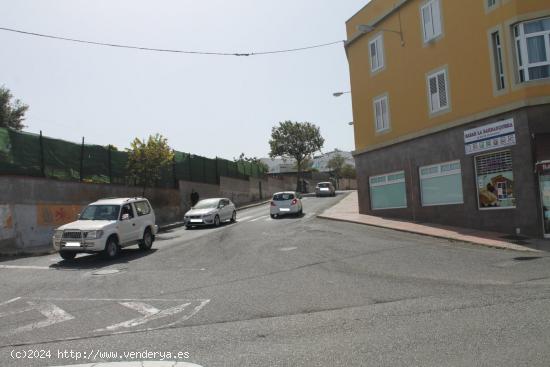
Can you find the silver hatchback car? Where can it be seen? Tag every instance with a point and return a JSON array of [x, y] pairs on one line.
[[286, 202], [210, 212]]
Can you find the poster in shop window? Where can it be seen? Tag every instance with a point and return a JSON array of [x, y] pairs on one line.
[[495, 180]]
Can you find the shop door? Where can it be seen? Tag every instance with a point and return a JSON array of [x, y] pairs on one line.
[[544, 183]]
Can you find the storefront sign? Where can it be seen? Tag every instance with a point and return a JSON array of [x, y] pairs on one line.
[[497, 135]]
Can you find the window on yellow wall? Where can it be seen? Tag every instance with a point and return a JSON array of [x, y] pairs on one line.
[[381, 114], [533, 49], [431, 20], [376, 49], [438, 91], [497, 57]]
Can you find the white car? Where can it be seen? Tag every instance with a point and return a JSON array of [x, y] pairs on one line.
[[287, 202], [210, 212], [106, 226]]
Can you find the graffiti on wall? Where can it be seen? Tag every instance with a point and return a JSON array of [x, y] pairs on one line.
[[6, 219], [56, 215]]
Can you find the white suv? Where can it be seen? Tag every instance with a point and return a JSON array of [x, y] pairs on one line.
[[106, 226]]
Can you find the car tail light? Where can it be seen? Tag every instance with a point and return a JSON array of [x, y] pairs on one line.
[[294, 202], [273, 203]]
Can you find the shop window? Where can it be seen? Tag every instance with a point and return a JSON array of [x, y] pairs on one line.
[[532, 40], [441, 184], [388, 191], [495, 180]]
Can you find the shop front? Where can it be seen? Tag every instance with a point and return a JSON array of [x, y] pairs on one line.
[[543, 170]]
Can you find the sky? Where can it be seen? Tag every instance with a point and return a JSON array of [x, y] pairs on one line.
[[207, 105]]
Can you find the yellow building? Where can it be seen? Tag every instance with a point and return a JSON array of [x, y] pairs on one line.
[[451, 105]]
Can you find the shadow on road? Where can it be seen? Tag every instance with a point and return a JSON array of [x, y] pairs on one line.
[[96, 261]]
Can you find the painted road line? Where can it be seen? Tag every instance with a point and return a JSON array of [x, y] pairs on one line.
[[263, 216], [25, 267], [141, 307], [9, 301], [53, 314], [243, 219], [142, 320]]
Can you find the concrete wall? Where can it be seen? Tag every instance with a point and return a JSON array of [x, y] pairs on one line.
[[31, 208]]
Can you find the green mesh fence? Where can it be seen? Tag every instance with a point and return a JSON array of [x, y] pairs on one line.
[[28, 154]]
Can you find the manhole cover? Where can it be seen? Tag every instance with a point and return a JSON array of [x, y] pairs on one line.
[[106, 272]]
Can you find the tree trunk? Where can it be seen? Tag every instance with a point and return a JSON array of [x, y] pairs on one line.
[[299, 177]]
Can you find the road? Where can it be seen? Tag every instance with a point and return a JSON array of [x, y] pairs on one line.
[[282, 292]]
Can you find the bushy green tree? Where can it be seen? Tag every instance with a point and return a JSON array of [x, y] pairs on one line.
[[335, 165], [254, 160], [147, 159], [298, 140], [12, 112], [348, 171]]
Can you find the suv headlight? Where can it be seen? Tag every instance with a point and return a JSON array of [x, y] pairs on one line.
[[58, 233], [92, 235]]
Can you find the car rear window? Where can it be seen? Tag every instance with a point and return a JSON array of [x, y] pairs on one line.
[[142, 208], [281, 197], [323, 184]]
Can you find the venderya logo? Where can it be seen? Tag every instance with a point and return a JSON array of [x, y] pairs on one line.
[[137, 363]]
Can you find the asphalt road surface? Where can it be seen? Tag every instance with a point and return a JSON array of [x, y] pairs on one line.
[[296, 291]]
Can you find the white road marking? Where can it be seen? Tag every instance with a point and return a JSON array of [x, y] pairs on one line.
[[263, 216], [243, 219], [142, 320], [287, 248], [142, 308], [53, 314], [25, 267], [9, 301]]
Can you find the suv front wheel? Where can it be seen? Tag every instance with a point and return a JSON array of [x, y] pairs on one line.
[[111, 248], [67, 255]]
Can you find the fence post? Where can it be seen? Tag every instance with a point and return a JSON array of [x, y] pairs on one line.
[[42, 166], [109, 168], [189, 167], [217, 172], [176, 184], [82, 160]]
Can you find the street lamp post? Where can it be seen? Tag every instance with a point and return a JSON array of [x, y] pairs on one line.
[[338, 94]]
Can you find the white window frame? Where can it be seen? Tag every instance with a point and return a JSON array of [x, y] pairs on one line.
[[381, 120], [491, 5], [438, 172], [377, 61], [498, 60], [434, 99], [431, 18], [387, 179], [522, 56]]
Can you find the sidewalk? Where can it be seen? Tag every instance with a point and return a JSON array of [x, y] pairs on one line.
[[347, 210]]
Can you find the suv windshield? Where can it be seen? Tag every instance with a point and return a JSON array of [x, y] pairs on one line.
[[207, 204], [281, 197], [100, 212]]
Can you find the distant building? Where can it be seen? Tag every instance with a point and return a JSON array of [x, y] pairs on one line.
[[320, 162]]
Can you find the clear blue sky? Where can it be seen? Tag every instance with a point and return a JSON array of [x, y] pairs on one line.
[[207, 105]]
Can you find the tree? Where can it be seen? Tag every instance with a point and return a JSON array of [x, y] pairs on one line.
[[12, 113], [253, 160], [348, 171], [335, 165], [298, 140], [147, 159]]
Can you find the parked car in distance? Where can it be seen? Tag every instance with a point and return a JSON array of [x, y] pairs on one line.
[[209, 212], [106, 226], [286, 202], [325, 189]]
